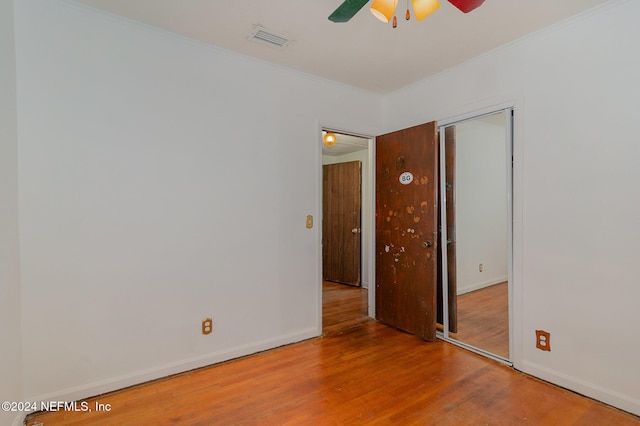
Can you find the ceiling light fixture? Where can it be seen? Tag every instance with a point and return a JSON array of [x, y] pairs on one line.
[[424, 8], [384, 10], [329, 139]]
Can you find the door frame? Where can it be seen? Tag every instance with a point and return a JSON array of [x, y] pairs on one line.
[[369, 223], [514, 289]]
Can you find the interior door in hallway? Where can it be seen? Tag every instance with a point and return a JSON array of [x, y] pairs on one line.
[[406, 229], [341, 231]]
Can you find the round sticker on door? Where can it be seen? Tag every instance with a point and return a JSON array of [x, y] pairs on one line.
[[406, 178]]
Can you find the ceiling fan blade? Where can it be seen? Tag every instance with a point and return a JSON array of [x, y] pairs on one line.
[[466, 6], [347, 10]]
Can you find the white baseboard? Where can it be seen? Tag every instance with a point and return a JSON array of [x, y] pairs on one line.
[[483, 284], [591, 390], [97, 388]]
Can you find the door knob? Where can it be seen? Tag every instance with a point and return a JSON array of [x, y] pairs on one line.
[[355, 230], [427, 244]]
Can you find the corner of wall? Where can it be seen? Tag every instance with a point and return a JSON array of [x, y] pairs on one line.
[[10, 300]]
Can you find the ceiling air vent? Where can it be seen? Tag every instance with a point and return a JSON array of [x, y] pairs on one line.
[[270, 38]]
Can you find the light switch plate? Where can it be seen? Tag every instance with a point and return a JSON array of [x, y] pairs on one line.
[[309, 222]]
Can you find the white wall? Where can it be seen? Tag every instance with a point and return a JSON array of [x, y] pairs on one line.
[[481, 203], [10, 362], [162, 181], [367, 193], [575, 89]]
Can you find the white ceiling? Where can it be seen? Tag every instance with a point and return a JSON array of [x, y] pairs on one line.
[[363, 52]]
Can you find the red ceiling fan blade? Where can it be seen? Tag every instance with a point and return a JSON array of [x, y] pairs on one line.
[[466, 6]]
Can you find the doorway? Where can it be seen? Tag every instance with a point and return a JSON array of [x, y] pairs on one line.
[[476, 213], [347, 233]]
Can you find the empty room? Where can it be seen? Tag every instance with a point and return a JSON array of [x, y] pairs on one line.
[[164, 203]]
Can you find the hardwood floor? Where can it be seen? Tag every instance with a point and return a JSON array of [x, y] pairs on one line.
[[483, 319], [343, 306], [362, 373]]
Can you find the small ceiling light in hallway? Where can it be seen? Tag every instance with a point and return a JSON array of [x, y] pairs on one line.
[[329, 139]]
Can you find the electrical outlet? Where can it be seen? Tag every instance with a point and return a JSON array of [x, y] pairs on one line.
[[207, 326], [480, 267], [543, 340]]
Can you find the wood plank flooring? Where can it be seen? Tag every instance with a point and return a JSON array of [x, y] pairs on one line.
[[483, 319], [343, 306], [362, 374]]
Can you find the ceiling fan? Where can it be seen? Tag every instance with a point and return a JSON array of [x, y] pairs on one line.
[[381, 8]]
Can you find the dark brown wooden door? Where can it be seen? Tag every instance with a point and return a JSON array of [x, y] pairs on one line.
[[341, 194], [406, 229]]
